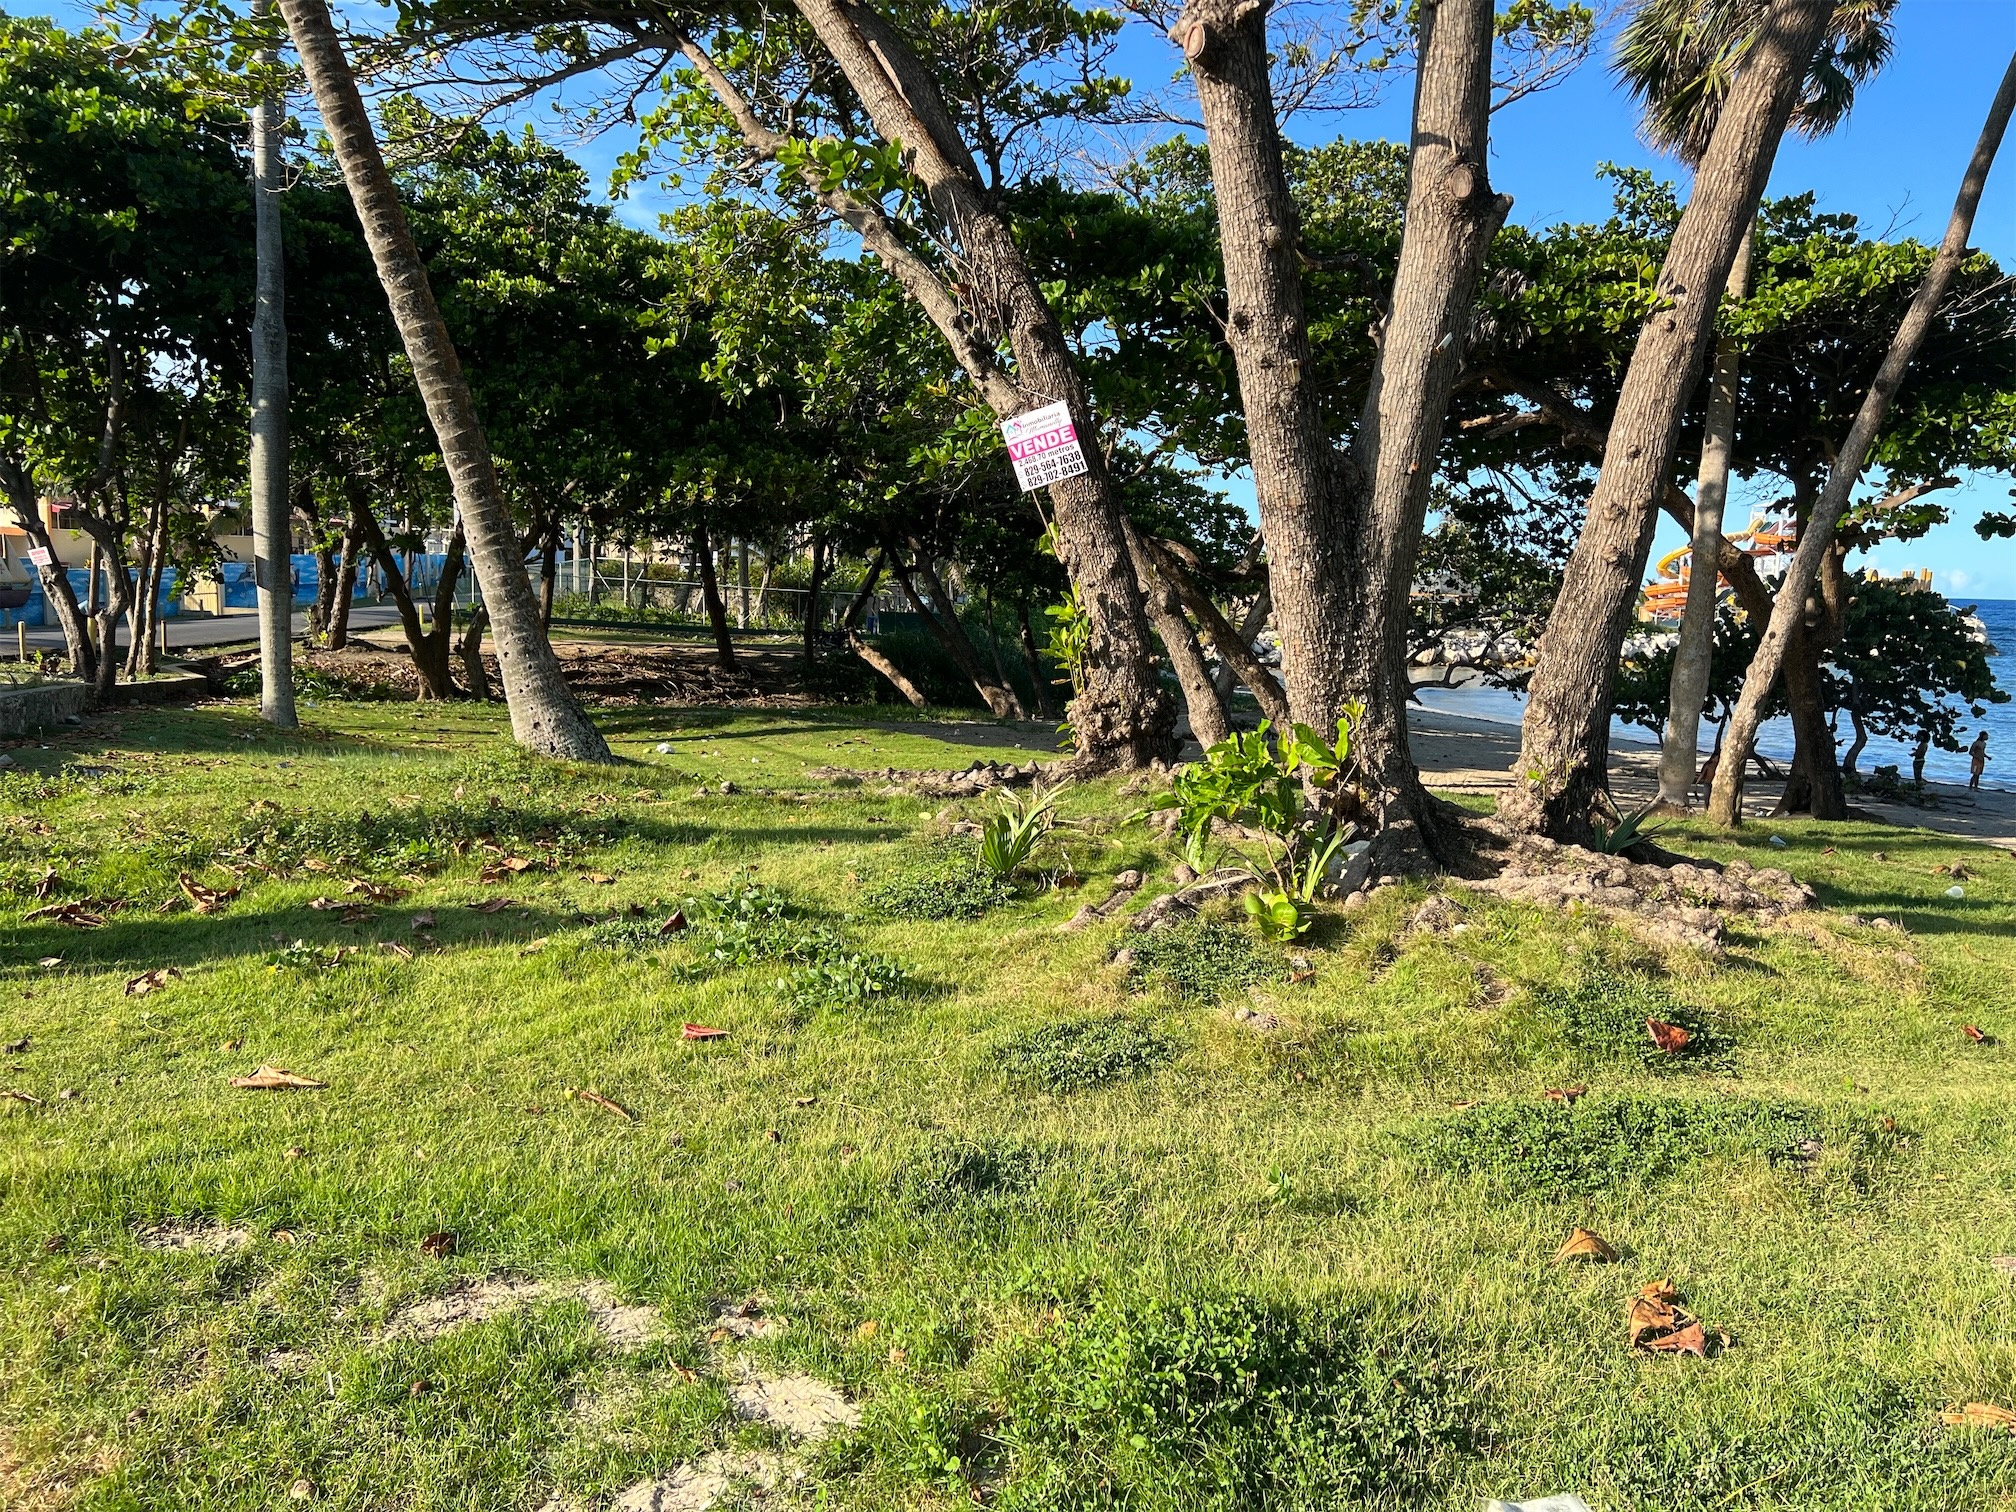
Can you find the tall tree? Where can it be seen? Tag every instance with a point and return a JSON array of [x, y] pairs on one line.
[[272, 532], [1564, 757], [1679, 57], [545, 716], [1817, 538], [1343, 529]]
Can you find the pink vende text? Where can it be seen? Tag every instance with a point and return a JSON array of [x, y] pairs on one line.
[[1047, 441]]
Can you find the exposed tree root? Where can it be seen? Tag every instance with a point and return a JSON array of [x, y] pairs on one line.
[[981, 777]]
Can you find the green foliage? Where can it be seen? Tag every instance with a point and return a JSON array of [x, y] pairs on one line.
[[1615, 839], [753, 924], [1602, 1013], [956, 1173], [1907, 661], [1200, 962], [1221, 1402], [842, 978], [1553, 1149], [1073, 1054], [1008, 838], [1279, 916], [949, 885]]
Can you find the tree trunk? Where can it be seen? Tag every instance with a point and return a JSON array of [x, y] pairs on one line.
[[763, 587], [710, 595], [1679, 751], [942, 620], [549, 570], [17, 485], [1861, 740], [545, 716], [470, 649], [1122, 716], [337, 636], [814, 584], [272, 564], [1816, 540], [1206, 710], [429, 649], [1233, 649], [742, 584], [1343, 532], [850, 628], [1564, 760], [1251, 623], [1039, 675], [1814, 784]]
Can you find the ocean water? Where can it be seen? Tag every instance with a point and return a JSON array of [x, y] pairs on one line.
[[1775, 739]]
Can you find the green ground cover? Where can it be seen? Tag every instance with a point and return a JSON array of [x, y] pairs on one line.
[[1067, 1233]]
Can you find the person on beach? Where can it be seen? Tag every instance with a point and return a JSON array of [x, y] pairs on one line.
[[1977, 759], [1918, 758]]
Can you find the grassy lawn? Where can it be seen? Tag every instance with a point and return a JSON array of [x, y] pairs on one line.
[[1062, 1233]]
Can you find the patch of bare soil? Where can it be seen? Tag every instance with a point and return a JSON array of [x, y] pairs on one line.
[[695, 1487], [194, 1238], [801, 1405], [971, 782], [625, 1326]]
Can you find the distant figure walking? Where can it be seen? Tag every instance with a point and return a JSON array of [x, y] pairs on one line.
[[1977, 758], [1918, 758]]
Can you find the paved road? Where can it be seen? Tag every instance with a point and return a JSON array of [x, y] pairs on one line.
[[188, 632]]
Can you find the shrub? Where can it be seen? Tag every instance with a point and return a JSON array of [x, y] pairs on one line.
[[1200, 962], [1602, 1013], [950, 885], [748, 925], [1077, 1053], [1219, 1402], [1553, 1149], [843, 979]]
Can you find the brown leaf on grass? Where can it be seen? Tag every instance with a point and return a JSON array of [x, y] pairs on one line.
[[19, 1096], [232, 1046], [152, 981], [516, 864], [75, 914], [376, 892], [1584, 1244], [1563, 1094], [404, 953], [600, 879], [15, 1047], [325, 904], [1974, 1034], [1980, 1415], [674, 924], [1670, 1038], [492, 874], [805, 1101], [1650, 1315], [1686, 1339], [607, 1105], [316, 864], [205, 900], [47, 883], [357, 913], [493, 905], [422, 921], [438, 1246], [701, 1032], [273, 1079]]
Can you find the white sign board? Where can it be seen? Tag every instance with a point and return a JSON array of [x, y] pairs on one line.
[[1043, 445], [38, 556]]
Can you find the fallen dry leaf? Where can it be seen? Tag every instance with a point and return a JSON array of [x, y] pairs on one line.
[[588, 1095], [600, 879], [867, 1330], [76, 915], [1974, 1034], [376, 892], [231, 1045], [1685, 1339], [423, 921], [1670, 1038], [1563, 1094], [404, 952], [15, 1047], [674, 924], [1650, 1315], [273, 1079], [324, 904], [19, 1096], [701, 1032], [203, 899], [152, 981], [516, 864], [804, 1102], [493, 905], [1980, 1415], [1585, 1245], [438, 1246]]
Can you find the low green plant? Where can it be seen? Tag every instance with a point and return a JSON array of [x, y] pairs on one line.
[[844, 979], [753, 924], [1630, 828], [1278, 915], [954, 1173], [1200, 961], [950, 885], [1222, 1402], [1073, 1054], [1557, 1149], [1602, 1012], [1008, 838]]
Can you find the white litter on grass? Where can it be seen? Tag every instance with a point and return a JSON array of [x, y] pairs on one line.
[[1777, 843], [623, 1325], [1956, 891], [663, 748], [194, 1238], [1567, 1503], [801, 1405]]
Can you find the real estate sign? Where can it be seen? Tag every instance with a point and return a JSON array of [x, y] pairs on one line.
[[38, 556], [1043, 445]]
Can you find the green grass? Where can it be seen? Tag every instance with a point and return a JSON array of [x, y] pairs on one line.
[[1228, 1270]]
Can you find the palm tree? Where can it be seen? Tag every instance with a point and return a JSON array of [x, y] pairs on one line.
[[544, 714], [1680, 57]]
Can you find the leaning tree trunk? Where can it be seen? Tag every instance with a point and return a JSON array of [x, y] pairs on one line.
[[1343, 532], [813, 585], [941, 618], [272, 562], [1039, 675], [429, 649], [17, 486], [1679, 750], [710, 597], [850, 630], [1206, 710], [1725, 805], [544, 713], [336, 635], [1122, 715], [1564, 760]]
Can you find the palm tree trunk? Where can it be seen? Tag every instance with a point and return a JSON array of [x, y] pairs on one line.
[[1816, 540], [545, 716], [1565, 752], [271, 532], [1679, 754]]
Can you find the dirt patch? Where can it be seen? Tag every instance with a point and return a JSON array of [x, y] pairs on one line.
[[623, 1325], [695, 1487], [194, 1238], [971, 782], [801, 1405], [747, 1319]]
